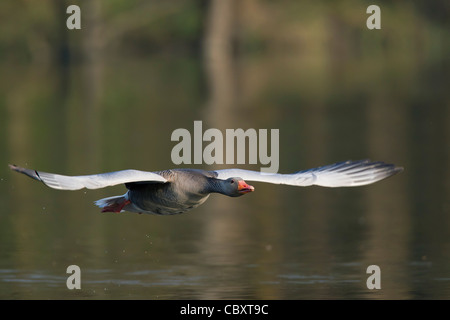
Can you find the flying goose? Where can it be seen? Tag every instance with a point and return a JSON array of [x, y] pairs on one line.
[[179, 190]]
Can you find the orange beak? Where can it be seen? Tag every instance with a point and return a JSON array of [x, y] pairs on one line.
[[243, 187]]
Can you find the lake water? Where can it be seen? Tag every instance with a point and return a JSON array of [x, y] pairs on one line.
[[278, 242]]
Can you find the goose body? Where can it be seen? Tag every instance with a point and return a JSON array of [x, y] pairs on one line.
[[176, 191], [186, 189]]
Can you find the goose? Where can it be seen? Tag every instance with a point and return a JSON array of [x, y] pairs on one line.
[[176, 191]]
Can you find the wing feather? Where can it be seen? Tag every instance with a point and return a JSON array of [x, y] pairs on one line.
[[94, 181], [341, 174]]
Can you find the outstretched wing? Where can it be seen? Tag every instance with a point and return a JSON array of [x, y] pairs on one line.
[[94, 181], [342, 174]]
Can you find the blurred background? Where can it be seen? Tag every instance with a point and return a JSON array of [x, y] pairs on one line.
[[108, 97]]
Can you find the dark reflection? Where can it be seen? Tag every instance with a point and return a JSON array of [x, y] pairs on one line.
[[334, 90]]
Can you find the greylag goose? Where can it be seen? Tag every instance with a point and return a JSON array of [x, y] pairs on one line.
[[179, 190]]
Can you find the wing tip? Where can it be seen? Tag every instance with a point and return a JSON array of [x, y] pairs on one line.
[[13, 167], [354, 173], [383, 171], [28, 172], [394, 170]]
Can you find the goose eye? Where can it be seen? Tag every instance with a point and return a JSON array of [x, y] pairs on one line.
[[232, 181]]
